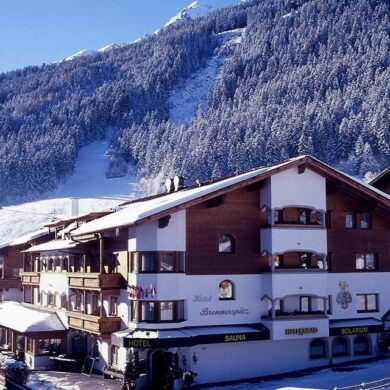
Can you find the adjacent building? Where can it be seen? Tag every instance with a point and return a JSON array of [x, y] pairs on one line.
[[278, 269]]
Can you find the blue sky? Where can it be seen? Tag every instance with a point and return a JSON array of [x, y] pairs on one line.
[[43, 31]]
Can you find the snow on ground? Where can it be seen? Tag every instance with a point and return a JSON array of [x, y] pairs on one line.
[[327, 378], [40, 380], [89, 179], [185, 101], [88, 183]]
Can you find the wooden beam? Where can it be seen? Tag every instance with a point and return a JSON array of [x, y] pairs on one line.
[[302, 168]]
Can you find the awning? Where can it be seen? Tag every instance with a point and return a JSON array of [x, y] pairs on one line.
[[55, 245], [193, 336], [355, 326], [15, 316]]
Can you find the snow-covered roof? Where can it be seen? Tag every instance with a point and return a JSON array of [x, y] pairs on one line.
[[14, 315], [54, 245], [134, 212], [130, 214], [29, 237]]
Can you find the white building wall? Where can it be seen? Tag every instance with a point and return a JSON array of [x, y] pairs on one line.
[[279, 240], [279, 284], [149, 237], [359, 283], [226, 362], [54, 282], [288, 188]]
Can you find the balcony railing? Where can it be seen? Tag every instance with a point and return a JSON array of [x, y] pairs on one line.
[[93, 324], [95, 281], [30, 278]]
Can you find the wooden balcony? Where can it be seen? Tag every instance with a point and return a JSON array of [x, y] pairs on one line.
[[93, 324], [31, 278], [97, 282]]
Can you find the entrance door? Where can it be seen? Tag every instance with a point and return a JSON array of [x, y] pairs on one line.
[[157, 370]]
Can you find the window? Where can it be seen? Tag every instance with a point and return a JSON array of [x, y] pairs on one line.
[[350, 220], [64, 301], [114, 355], [30, 345], [15, 273], [365, 220], [340, 346], [65, 264], [366, 261], [49, 347], [50, 299], [317, 349], [361, 345], [50, 264], [226, 244], [329, 304], [305, 304], [157, 262], [113, 306], [167, 262], [226, 290], [367, 303], [157, 311]]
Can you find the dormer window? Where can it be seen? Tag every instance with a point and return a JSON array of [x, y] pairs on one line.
[[226, 244], [226, 290]]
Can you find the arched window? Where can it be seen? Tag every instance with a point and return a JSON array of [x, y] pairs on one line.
[[226, 244], [226, 290], [50, 264], [317, 349], [340, 346], [65, 264], [64, 301], [50, 299], [114, 355], [361, 345]]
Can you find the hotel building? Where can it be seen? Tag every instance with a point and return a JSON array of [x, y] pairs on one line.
[[275, 270]]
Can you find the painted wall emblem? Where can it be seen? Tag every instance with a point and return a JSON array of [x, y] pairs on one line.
[[344, 297]]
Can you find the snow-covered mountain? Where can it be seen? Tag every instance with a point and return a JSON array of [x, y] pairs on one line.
[[81, 53], [195, 10]]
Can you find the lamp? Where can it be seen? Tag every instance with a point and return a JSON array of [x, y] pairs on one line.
[[194, 358], [264, 252]]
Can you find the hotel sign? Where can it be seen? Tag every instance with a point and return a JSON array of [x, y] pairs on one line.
[[350, 330], [301, 331], [259, 334]]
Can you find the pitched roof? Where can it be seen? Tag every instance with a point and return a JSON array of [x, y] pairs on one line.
[[144, 210], [14, 315], [380, 179]]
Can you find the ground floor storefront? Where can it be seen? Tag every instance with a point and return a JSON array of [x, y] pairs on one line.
[[225, 354]]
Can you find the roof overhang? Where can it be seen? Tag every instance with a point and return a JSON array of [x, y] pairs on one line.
[[191, 336]]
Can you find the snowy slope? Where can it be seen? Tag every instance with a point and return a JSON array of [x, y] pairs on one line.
[[89, 183], [185, 101]]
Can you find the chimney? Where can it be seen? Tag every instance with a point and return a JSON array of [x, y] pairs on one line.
[[178, 182], [74, 207], [169, 185]]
